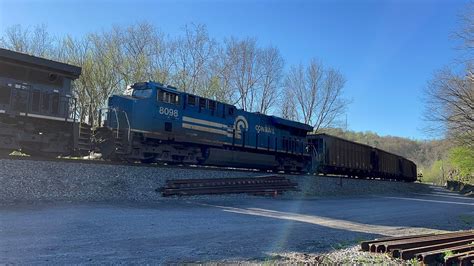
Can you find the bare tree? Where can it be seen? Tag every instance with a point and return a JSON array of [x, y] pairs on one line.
[[222, 73], [466, 33], [16, 38], [36, 42], [194, 52], [450, 105], [449, 96], [330, 104], [245, 64], [42, 43], [105, 78], [318, 93], [78, 52], [162, 59], [271, 74], [288, 108]]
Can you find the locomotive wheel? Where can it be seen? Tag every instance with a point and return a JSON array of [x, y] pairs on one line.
[[103, 139], [107, 149], [149, 159]]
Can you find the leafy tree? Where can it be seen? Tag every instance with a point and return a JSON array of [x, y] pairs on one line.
[[462, 159]]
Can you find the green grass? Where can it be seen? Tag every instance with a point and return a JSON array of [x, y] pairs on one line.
[[413, 261], [343, 244], [448, 254]]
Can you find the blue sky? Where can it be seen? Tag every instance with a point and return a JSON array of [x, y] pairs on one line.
[[387, 50]]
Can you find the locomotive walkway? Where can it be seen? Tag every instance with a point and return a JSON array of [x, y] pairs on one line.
[[217, 229]]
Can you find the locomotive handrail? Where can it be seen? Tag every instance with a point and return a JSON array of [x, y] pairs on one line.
[[117, 119], [129, 129], [118, 122]]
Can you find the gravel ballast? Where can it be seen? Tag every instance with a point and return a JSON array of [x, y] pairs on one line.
[[30, 180]]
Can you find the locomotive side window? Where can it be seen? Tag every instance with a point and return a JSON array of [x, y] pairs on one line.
[[231, 110], [202, 103], [212, 105], [174, 98], [192, 100], [168, 97], [161, 96]]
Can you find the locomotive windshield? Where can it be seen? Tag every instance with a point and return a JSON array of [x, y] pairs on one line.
[[142, 93], [138, 90]]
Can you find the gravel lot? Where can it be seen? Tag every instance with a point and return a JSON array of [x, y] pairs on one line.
[[221, 230], [62, 212], [32, 181]]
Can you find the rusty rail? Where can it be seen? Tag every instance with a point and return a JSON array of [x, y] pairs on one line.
[[262, 185], [449, 249]]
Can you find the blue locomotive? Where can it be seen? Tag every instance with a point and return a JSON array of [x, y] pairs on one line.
[[154, 122]]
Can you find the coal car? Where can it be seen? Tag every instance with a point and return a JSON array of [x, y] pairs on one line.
[[334, 155], [154, 122], [37, 109]]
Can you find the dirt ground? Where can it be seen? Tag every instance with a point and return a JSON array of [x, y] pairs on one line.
[[218, 230]]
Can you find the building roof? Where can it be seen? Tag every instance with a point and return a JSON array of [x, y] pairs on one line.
[[37, 62]]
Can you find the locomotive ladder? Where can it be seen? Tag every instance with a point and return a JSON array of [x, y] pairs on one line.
[[84, 143], [122, 132]]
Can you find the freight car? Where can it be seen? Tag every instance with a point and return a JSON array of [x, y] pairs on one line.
[[334, 155], [155, 122], [37, 109]]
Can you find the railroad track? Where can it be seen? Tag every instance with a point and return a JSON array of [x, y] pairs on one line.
[[162, 165], [430, 249], [261, 185], [135, 164]]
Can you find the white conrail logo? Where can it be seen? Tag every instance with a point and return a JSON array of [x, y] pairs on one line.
[[240, 125]]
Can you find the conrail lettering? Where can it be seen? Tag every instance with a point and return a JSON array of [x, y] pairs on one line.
[[265, 129]]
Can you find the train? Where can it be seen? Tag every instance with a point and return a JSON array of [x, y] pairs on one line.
[[37, 108], [153, 122]]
